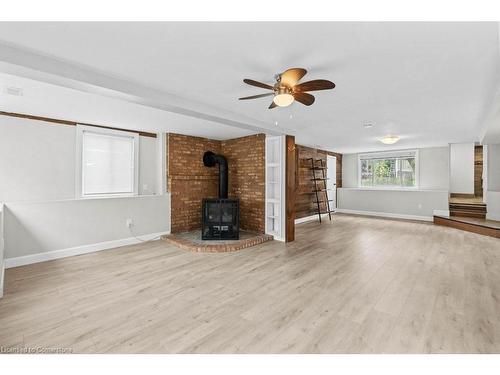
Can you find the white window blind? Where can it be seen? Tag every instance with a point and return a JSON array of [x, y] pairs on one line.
[[109, 163]]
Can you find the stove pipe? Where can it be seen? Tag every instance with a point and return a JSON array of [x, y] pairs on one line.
[[210, 159]]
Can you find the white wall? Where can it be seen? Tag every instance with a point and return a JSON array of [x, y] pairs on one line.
[[78, 225], [493, 181], [42, 218], [493, 205], [350, 170], [493, 167], [148, 166], [417, 204], [410, 204], [37, 161], [462, 168], [433, 166]]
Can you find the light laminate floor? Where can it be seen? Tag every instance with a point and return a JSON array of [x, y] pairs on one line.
[[353, 285]]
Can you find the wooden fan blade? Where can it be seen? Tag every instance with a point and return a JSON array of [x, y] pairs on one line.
[[273, 105], [256, 96], [251, 82], [290, 77], [304, 98], [317, 84]]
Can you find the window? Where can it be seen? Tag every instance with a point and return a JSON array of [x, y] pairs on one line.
[[389, 169], [107, 162]]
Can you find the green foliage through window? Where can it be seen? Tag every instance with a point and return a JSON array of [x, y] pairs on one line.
[[388, 171]]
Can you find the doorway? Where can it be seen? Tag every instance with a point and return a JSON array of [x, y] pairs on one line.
[[331, 183]]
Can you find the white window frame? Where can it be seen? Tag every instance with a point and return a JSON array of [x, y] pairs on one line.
[[80, 130], [390, 154]]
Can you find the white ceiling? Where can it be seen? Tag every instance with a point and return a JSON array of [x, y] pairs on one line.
[[429, 83]]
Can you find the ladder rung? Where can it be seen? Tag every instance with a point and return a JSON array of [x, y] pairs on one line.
[[317, 168], [319, 179], [329, 200], [327, 212]]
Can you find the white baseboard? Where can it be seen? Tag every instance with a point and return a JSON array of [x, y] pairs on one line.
[[493, 216], [385, 214], [309, 218], [441, 213], [78, 250]]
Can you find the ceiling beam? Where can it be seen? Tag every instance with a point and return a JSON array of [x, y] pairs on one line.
[[31, 64]]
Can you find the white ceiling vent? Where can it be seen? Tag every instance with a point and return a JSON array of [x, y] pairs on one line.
[[11, 90]]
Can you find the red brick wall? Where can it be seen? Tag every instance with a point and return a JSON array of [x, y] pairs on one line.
[[189, 181], [246, 158], [304, 202]]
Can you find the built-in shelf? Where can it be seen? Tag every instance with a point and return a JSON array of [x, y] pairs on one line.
[[275, 193]]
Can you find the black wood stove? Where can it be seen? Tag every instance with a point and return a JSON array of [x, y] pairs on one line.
[[220, 216]]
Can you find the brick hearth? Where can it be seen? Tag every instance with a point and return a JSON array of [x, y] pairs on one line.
[[191, 241]]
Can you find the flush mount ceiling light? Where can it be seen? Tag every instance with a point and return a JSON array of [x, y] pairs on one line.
[[368, 126], [389, 139], [287, 88]]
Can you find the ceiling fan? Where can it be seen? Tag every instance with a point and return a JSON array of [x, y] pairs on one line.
[[287, 88]]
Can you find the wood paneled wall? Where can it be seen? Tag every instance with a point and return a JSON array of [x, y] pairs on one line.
[[304, 203], [291, 187], [478, 171]]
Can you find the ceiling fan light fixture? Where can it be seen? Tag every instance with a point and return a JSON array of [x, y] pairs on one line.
[[283, 100], [389, 139], [287, 88]]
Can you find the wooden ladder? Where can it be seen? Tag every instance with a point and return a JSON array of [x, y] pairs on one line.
[[318, 189]]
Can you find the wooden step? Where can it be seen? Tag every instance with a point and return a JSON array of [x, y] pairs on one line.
[[483, 229], [477, 210], [458, 195], [468, 207], [480, 215]]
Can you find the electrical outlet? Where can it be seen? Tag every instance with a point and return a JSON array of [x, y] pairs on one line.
[[129, 223]]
